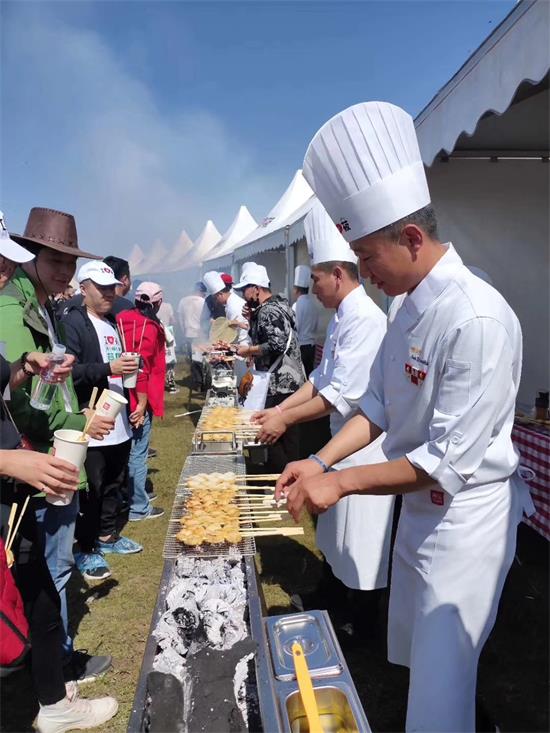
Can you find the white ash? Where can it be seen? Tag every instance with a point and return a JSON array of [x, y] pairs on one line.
[[240, 687], [206, 606]]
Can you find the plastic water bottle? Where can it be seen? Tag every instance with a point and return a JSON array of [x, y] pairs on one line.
[[43, 393]]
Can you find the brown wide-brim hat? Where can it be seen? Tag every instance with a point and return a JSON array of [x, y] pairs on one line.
[[53, 229]]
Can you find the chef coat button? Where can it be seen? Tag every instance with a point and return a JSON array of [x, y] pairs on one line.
[[455, 439]]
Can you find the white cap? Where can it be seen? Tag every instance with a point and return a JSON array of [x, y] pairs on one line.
[[98, 272], [364, 165], [213, 281], [324, 241], [302, 276], [10, 249], [253, 274]]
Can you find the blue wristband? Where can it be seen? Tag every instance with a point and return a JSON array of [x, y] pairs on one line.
[[320, 461]]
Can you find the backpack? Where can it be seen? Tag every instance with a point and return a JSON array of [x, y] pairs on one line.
[[14, 627]]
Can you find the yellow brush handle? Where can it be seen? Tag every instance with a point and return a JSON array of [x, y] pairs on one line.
[[306, 689]]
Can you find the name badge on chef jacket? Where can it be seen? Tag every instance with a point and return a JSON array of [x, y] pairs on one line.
[[415, 375]]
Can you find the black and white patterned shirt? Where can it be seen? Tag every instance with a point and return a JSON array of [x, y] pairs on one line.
[[270, 326]]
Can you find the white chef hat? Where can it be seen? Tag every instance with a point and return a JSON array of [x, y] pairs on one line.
[[253, 274], [364, 165], [302, 276], [324, 241], [213, 281]]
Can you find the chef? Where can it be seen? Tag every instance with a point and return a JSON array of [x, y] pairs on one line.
[[233, 304], [354, 535], [443, 388], [306, 312]]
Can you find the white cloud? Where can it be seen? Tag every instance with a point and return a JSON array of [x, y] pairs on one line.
[[81, 134]]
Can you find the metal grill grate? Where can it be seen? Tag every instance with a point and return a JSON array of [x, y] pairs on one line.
[[203, 464], [241, 432]]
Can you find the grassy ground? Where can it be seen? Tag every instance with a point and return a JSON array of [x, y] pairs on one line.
[[114, 616]]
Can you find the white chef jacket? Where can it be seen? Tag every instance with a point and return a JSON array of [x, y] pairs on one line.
[[354, 535], [306, 311], [443, 386], [234, 312], [189, 315]]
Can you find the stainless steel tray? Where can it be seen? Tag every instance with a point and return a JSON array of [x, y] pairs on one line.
[[314, 632]]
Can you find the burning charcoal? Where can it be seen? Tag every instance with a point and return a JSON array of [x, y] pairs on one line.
[[166, 704]]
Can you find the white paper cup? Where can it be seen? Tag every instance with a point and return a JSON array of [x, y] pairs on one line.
[[130, 380], [110, 404], [70, 448]]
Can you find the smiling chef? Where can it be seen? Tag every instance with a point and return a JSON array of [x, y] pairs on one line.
[[443, 388]]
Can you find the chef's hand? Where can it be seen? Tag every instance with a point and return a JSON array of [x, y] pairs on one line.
[[100, 425], [262, 415], [316, 494], [243, 350], [35, 362], [294, 472], [272, 429]]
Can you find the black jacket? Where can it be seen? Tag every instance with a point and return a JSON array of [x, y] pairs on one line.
[[81, 340]]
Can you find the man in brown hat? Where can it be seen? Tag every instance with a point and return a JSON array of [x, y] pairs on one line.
[[27, 323]]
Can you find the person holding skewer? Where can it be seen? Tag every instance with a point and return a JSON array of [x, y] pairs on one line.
[[142, 332], [92, 336]]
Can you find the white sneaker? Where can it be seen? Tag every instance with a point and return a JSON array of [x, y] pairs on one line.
[[75, 713]]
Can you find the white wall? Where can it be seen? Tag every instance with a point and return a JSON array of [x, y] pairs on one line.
[[496, 215]]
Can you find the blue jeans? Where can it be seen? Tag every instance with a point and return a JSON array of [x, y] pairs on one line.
[[140, 506], [56, 531]]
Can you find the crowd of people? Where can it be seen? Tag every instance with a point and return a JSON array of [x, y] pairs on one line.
[[420, 403]]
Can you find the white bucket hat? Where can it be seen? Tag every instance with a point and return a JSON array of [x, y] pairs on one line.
[[253, 274], [302, 276], [10, 249], [213, 281], [324, 241], [364, 165]]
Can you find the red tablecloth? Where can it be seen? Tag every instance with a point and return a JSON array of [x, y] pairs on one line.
[[535, 454]]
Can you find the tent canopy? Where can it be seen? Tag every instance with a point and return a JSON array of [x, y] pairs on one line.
[[205, 243], [484, 87], [135, 259], [155, 260], [241, 226]]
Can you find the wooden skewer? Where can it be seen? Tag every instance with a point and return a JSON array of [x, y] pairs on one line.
[[89, 421], [121, 334], [259, 520], [16, 530], [93, 398], [10, 522], [267, 531], [134, 336], [259, 477]]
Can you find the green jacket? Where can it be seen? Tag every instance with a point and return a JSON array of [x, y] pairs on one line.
[[22, 328]]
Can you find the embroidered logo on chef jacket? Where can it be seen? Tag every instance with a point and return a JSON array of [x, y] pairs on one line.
[[437, 497], [343, 226]]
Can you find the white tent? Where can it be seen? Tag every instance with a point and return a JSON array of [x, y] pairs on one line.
[[242, 225], [279, 230], [136, 258], [205, 243], [156, 258], [180, 252], [485, 138]]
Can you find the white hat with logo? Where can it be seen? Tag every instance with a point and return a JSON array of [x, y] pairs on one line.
[[302, 276], [364, 164], [98, 272], [10, 249], [324, 241], [213, 281], [253, 274]]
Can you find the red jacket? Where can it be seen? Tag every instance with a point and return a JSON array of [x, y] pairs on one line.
[[151, 377]]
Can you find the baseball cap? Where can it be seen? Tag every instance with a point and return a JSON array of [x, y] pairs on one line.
[[98, 272], [149, 292], [10, 249]]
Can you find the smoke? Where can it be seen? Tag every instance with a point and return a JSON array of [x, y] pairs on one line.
[[82, 133]]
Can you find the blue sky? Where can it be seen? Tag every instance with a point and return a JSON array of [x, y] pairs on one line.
[[145, 118]]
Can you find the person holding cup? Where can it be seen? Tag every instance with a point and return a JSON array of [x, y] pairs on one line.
[[92, 337]]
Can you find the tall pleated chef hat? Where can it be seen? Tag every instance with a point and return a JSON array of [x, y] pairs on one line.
[[213, 281], [324, 241], [302, 276], [364, 165], [253, 274]]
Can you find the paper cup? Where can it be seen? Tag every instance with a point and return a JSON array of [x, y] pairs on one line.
[[70, 448], [130, 380], [110, 404]]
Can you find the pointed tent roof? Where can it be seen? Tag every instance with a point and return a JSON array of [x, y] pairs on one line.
[[136, 258], [206, 241], [155, 259], [243, 224], [180, 251]]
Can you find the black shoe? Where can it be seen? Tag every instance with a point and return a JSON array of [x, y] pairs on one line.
[[83, 667], [152, 496], [152, 453]]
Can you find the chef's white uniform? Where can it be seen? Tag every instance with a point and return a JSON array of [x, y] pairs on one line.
[[234, 312], [306, 310], [443, 387], [354, 535]]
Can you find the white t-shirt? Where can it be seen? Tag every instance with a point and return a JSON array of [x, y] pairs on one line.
[[111, 349], [189, 315]]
